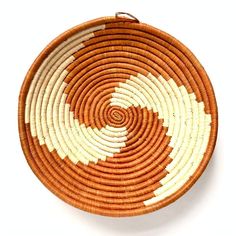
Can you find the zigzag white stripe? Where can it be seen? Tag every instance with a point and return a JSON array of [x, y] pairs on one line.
[[188, 125]]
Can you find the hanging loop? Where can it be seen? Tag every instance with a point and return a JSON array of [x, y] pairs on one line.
[[126, 15]]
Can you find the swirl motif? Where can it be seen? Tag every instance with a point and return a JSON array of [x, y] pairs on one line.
[[117, 118]]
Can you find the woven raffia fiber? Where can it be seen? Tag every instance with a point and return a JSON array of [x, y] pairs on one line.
[[117, 117]]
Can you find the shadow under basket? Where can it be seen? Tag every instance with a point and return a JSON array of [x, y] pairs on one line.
[[116, 117]]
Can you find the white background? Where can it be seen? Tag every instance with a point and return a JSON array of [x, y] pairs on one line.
[[208, 28]]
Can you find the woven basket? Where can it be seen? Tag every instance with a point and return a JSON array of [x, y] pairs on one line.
[[117, 118]]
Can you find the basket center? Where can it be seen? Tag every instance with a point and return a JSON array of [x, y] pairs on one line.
[[116, 116]]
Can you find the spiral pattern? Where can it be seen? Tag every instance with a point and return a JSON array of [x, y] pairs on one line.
[[117, 118]]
